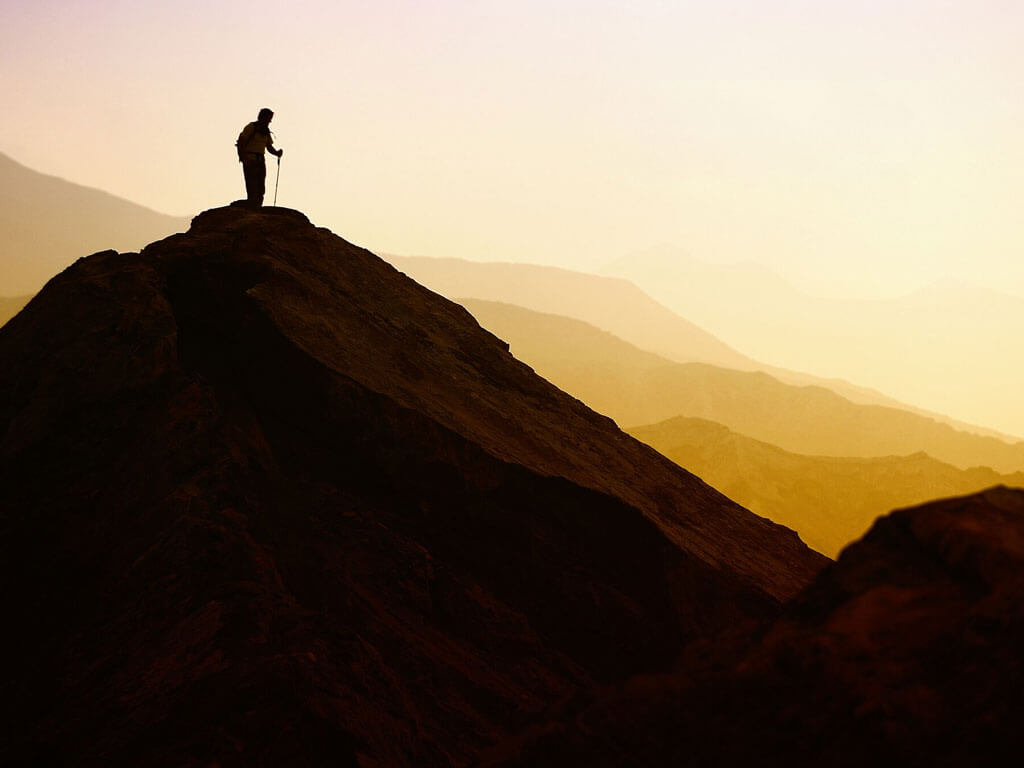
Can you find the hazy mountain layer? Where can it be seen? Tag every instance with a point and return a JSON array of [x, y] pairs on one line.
[[904, 652], [829, 501], [950, 347], [637, 388], [46, 223], [608, 303], [266, 501], [619, 307]]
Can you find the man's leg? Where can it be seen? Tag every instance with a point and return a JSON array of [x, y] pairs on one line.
[[255, 170]]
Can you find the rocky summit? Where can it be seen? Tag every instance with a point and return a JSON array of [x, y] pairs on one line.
[[264, 500]]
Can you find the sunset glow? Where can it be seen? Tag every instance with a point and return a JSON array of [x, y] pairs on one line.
[[860, 150]]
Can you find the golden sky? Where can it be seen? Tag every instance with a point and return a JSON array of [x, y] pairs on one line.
[[860, 149], [854, 146]]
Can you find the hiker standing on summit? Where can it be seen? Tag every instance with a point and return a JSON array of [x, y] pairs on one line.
[[252, 142]]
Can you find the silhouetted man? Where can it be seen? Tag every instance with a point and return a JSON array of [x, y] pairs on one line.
[[252, 142]]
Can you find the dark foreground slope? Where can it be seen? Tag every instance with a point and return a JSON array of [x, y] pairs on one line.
[[906, 651], [266, 501]]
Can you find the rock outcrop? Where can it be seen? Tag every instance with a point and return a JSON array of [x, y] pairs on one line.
[[904, 652], [264, 500]]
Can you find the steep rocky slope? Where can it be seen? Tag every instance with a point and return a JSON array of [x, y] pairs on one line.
[[264, 500], [905, 652]]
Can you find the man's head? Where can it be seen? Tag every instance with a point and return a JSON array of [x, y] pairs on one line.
[[265, 115]]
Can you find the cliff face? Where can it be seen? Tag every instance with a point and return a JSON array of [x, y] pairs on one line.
[[265, 500], [906, 651]]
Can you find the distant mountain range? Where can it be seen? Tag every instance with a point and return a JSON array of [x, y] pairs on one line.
[[608, 303], [830, 501], [636, 388], [950, 347], [46, 223], [621, 308]]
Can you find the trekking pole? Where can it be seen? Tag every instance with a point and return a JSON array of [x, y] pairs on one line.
[[277, 180]]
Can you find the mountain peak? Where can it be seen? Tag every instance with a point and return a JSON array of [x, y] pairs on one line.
[[223, 217], [266, 499]]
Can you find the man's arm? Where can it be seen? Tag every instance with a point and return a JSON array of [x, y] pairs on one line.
[[271, 150]]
